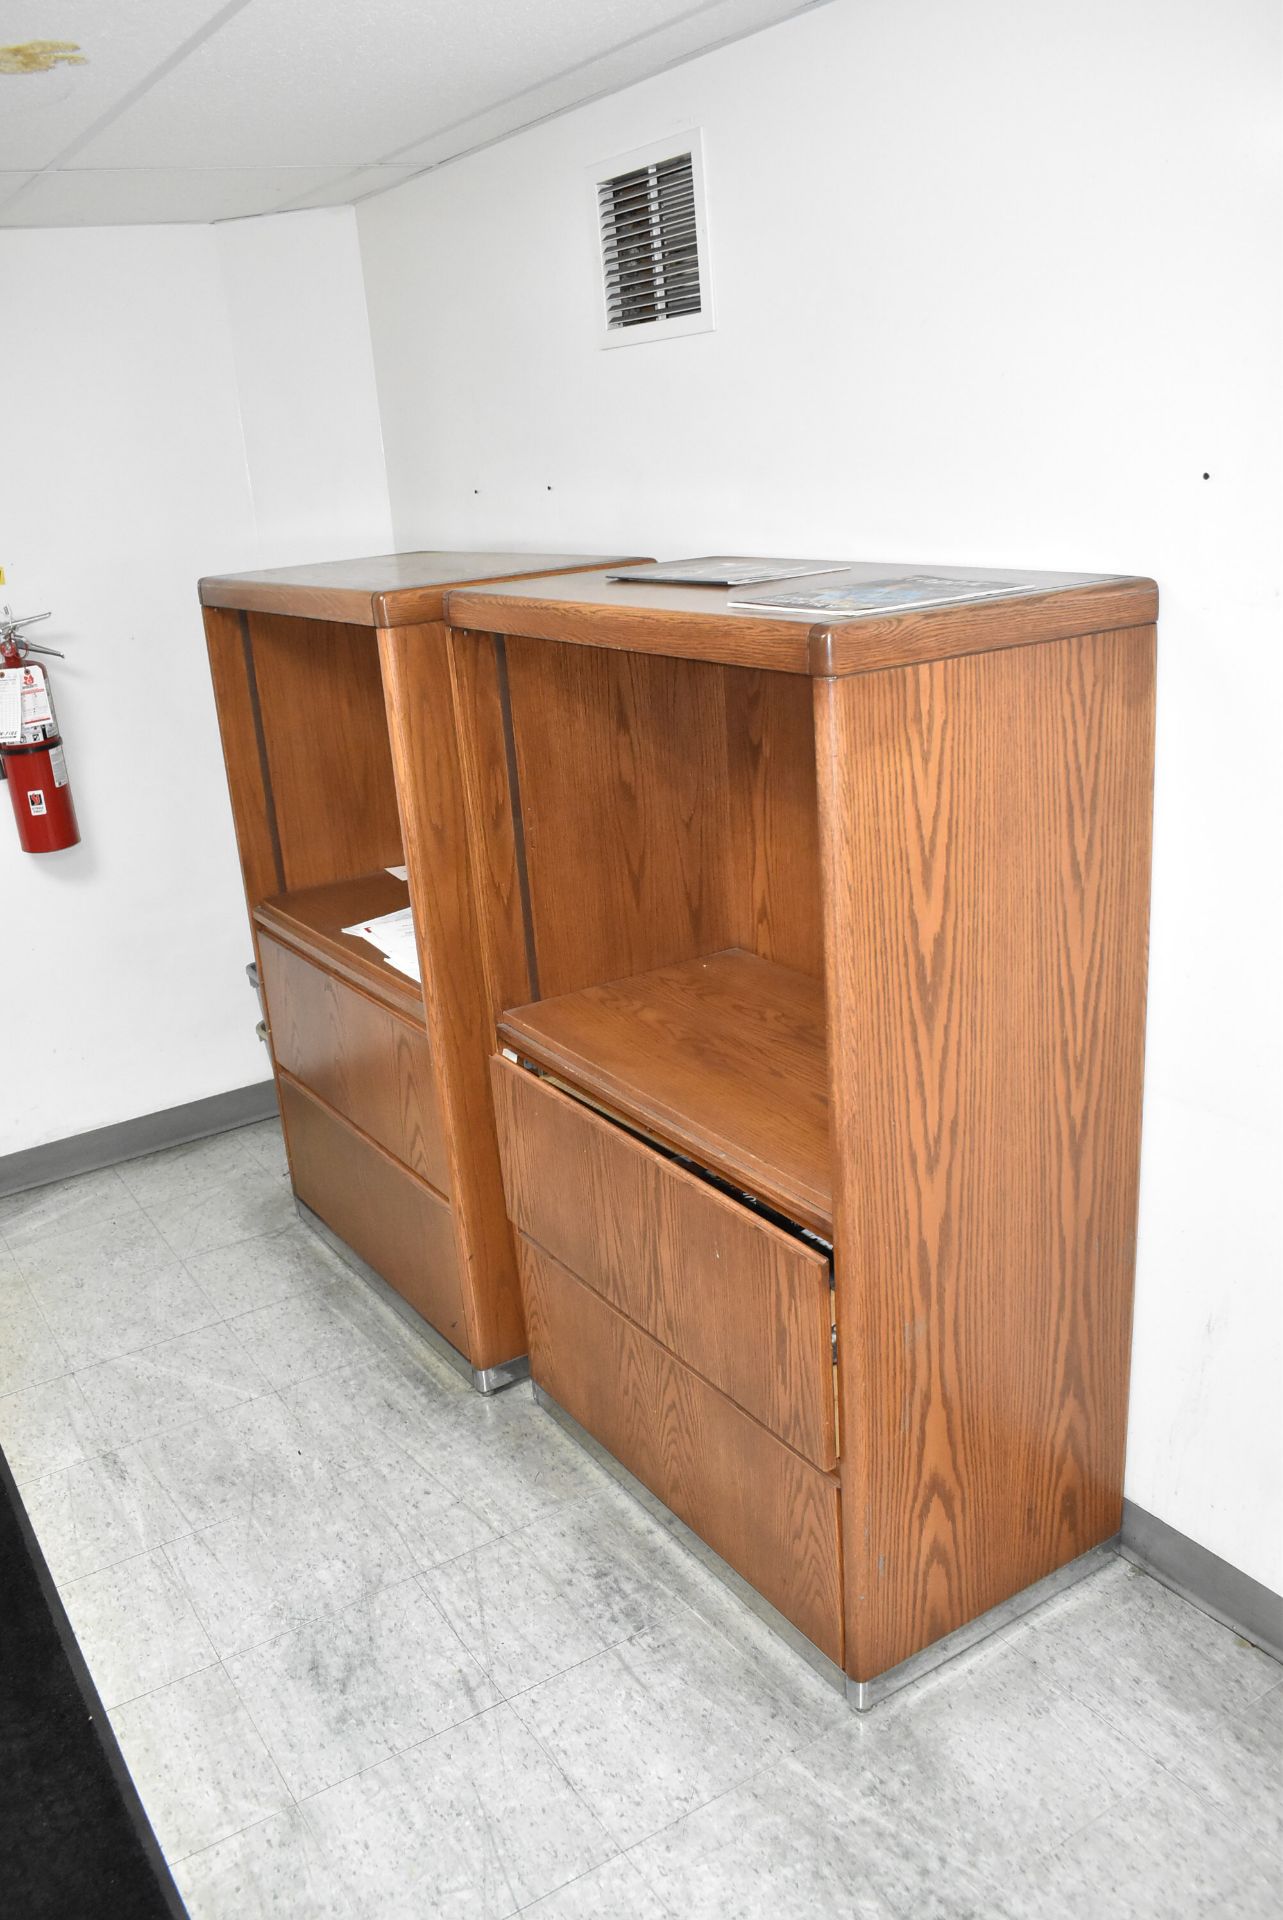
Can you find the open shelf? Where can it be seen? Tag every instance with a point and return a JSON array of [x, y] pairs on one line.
[[721, 1059], [313, 918]]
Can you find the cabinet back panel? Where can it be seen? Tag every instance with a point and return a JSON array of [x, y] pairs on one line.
[[324, 725], [667, 810]]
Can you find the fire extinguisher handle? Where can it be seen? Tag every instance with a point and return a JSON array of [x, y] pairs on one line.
[[29, 646]]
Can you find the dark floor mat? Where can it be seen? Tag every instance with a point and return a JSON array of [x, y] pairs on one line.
[[74, 1841]]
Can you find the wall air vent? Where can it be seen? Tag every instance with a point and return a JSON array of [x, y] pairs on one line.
[[649, 207]]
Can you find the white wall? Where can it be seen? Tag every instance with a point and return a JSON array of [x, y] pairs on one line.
[[175, 401], [995, 282]]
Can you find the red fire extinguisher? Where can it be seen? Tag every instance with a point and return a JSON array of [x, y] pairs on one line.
[[32, 759]]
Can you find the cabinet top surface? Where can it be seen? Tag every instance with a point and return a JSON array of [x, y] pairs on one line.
[[382, 589], [698, 622]]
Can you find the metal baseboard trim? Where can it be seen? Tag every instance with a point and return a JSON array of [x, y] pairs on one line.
[[485, 1379], [864, 1694], [1253, 1610], [699, 1549], [130, 1139]]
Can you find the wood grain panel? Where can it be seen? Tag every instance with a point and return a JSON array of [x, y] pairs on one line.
[[623, 787], [425, 750], [384, 1213], [721, 1058], [775, 845], [367, 1063], [478, 677], [985, 838], [755, 1501], [696, 623], [313, 920], [234, 700], [741, 1303], [327, 747]]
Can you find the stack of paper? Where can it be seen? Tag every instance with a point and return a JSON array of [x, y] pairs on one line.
[[393, 935]]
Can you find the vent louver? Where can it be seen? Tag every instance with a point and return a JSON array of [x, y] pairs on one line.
[[650, 243]]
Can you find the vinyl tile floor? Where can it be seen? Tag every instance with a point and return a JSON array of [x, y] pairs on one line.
[[375, 1646]]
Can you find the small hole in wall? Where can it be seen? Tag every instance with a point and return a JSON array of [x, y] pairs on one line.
[[1207, 476]]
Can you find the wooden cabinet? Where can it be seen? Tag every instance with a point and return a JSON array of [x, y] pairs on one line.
[[814, 957], [334, 700]]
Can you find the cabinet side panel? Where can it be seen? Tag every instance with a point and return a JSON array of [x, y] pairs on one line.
[[327, 746], [985, 837], [771, 765], [479, 674], [425, 752], [239, 725], [621, 762]]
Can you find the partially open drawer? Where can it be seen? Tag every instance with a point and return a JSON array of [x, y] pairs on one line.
[[366, 1062], [768, 1512], [743, 1304]]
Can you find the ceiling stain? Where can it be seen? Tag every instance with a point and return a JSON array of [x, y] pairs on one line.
[[41, 56]]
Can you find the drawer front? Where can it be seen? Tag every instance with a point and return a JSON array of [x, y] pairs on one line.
[[756, 1502], [743, 1304], [368, 1064], [396, 1223]]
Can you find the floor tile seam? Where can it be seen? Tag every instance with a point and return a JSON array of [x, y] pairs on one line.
[[303, 1801], [266, 1744], [305, 1621], [179, 1422], [547, 1679], [30, 1291], [574, 1881], [1235, 1812], [261, 1820], [191, 1416], [130, 1353], [393, 1752], [175, 1679], [197, 1253], [135, 1553]]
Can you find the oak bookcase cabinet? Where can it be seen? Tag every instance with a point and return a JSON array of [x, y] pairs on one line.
[[815, 961], [333, 690]]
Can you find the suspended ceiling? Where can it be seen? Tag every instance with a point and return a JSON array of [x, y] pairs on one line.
[[116, 111]]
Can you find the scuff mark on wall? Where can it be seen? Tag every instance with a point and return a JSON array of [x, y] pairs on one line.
[[41, 56]]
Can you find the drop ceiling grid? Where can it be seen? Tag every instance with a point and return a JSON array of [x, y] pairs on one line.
[[208, 111]]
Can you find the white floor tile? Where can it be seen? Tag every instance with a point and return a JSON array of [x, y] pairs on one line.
[[199, 1765], [476, 1822], [167, 1385], [271, 1871], [98, 1512], [136, 1627], [337, 1696], [45, 1428]]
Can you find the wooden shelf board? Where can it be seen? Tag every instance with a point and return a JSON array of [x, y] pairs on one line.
[[722, 1059], [313, 918]]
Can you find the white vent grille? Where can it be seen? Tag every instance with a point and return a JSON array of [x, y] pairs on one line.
[[650, 243]]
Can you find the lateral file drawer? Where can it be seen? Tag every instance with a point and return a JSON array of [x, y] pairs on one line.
[[767, 1511], [369, 1064], [387, 1215], [740, 1302]]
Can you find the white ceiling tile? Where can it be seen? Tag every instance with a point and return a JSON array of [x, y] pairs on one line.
[[108, 197], [120, 42], [214, 109], [620, 67], [313, 83], [11, 184]]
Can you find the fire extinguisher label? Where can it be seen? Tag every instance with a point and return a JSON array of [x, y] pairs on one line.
[[58, 767], [36, 801]]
